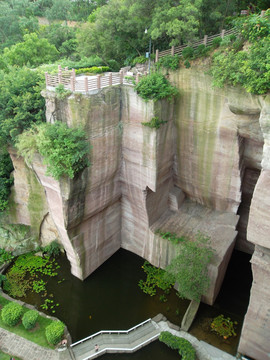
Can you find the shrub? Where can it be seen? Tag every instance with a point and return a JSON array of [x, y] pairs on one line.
[[61, 92], [139, 60], [155, 123], [187, 64], [155, 86], [5, 256], [183, 346], [53, 249], [54, 332], [11, 314], [93, 70], [188, 52], [216, 42], [169, 62], [64, 150], [202, 50], [29, 319], [223, 326]]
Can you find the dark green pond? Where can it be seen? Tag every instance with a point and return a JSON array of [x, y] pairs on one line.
[[110, 299]]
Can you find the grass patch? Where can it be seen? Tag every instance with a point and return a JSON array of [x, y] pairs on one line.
[[36, 335], [4, 356]]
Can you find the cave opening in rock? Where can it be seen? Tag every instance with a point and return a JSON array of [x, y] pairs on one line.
[[232, 301]]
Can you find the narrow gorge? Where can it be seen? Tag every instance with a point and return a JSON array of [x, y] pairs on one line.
[[207, 168]]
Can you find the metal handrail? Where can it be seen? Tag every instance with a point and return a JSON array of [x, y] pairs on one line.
[[105, 350], [111, 332]]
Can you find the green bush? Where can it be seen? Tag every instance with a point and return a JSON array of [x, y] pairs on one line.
[[54, 332], [183, 346], [5, 256], [154, 123], [53, 249], [29, 319], [11, 314], [216, 42], [201, 50], [188, 52], [139, 60], [155, 86], [64, 150], [92, 70], [169, 62]]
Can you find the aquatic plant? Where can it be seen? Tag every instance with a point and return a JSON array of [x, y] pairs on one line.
[[155, 278], [224, 327]]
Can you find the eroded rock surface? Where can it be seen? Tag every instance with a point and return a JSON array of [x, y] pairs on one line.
[[190, 174]]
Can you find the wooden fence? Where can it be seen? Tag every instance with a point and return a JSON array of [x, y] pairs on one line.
[[207, 41], [85, 83]]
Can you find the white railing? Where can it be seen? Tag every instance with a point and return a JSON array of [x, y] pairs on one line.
[[111, 332], [126, 350]]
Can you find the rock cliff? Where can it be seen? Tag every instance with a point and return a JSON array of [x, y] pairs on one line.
[[205, 168]]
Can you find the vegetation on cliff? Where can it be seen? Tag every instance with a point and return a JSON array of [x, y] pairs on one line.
[[64, 150], [245, 61], [188, 269]]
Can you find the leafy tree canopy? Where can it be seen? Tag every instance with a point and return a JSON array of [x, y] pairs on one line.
[[21, 103], [33, 52]]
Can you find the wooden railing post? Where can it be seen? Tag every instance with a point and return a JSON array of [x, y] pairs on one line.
[[121, 73], [46, 79], [110, 79], [60, 76], [86, 84], [222, 33], [137, 78], [156, 59], [262, 13], [98, 81], [172, 51], [59, 68], [205, 39]]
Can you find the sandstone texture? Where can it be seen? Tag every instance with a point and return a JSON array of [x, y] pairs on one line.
[[203, 170]]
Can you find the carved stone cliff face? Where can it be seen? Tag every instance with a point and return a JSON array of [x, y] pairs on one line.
[[190, 174]]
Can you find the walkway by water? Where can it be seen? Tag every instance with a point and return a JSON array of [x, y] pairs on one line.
[[132, 340], [24, 349], [116, 341]]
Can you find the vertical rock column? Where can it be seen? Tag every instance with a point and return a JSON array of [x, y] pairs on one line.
[[146, 175], [254, 340]]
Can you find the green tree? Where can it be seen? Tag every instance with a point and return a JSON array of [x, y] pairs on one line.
[[6, 180], [21, 103], [179, 21], [33, 51], [117, 30], [62, 37], [189, 268], [60, 10]]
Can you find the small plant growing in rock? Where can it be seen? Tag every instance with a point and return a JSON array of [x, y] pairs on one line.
[[29, 319], [224, 327], [11, 314], [154, 123], [54, 332]]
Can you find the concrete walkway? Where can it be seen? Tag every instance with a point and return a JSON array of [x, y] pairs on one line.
[[126, 341], [15, 345]]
